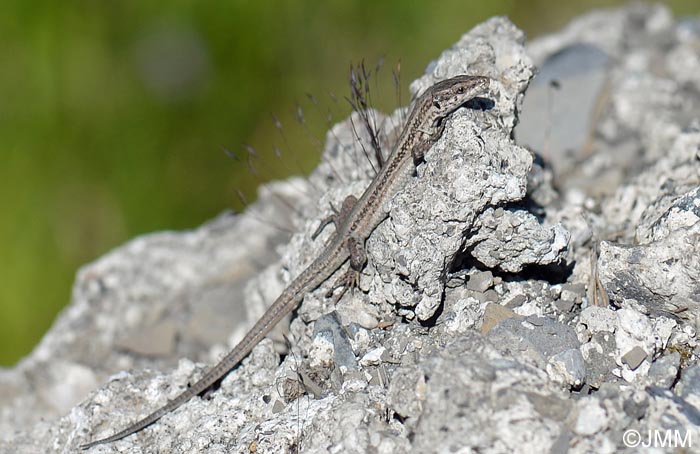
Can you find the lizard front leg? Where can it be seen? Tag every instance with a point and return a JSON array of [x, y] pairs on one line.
[[422, 147], [338, 217]]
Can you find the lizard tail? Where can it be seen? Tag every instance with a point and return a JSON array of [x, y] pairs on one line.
[[282, 306]]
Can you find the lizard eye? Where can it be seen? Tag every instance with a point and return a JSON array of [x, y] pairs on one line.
[[460, 90], [436, 104]]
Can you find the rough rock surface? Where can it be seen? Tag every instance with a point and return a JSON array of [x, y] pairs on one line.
[[514, 300]]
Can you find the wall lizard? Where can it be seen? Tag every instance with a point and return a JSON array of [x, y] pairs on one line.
[[354, 224]]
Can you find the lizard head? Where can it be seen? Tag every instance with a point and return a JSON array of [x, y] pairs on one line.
[[450, 94]]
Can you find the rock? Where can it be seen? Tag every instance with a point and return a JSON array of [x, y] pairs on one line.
[[343, 355], [591, 419], [467, 394], [431, 218], [155, 340], [599, 319], [494, 314], [689, 385], [600, 362], [480, 281], [373, 357], [536, 340], [564, 305], [634, 357], [662, 275], [407, 392], [664, 370], [399, 364], [516, 240], [573, 292], [559, 111], [567, 368], [516, 301], [637, 338]]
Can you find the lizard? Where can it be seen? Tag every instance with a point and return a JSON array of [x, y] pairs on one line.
[[354, 223]]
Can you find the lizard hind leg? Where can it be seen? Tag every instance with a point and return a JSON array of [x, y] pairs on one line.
[[350, 279]]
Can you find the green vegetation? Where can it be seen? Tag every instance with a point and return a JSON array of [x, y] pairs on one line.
[[113, 115]]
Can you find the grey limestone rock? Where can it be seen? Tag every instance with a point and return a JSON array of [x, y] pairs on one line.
[[515, 300]]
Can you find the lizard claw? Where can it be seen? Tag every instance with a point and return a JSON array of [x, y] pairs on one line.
[[350, 279]]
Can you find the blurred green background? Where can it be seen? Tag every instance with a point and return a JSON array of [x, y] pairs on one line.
[[113, 115]]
